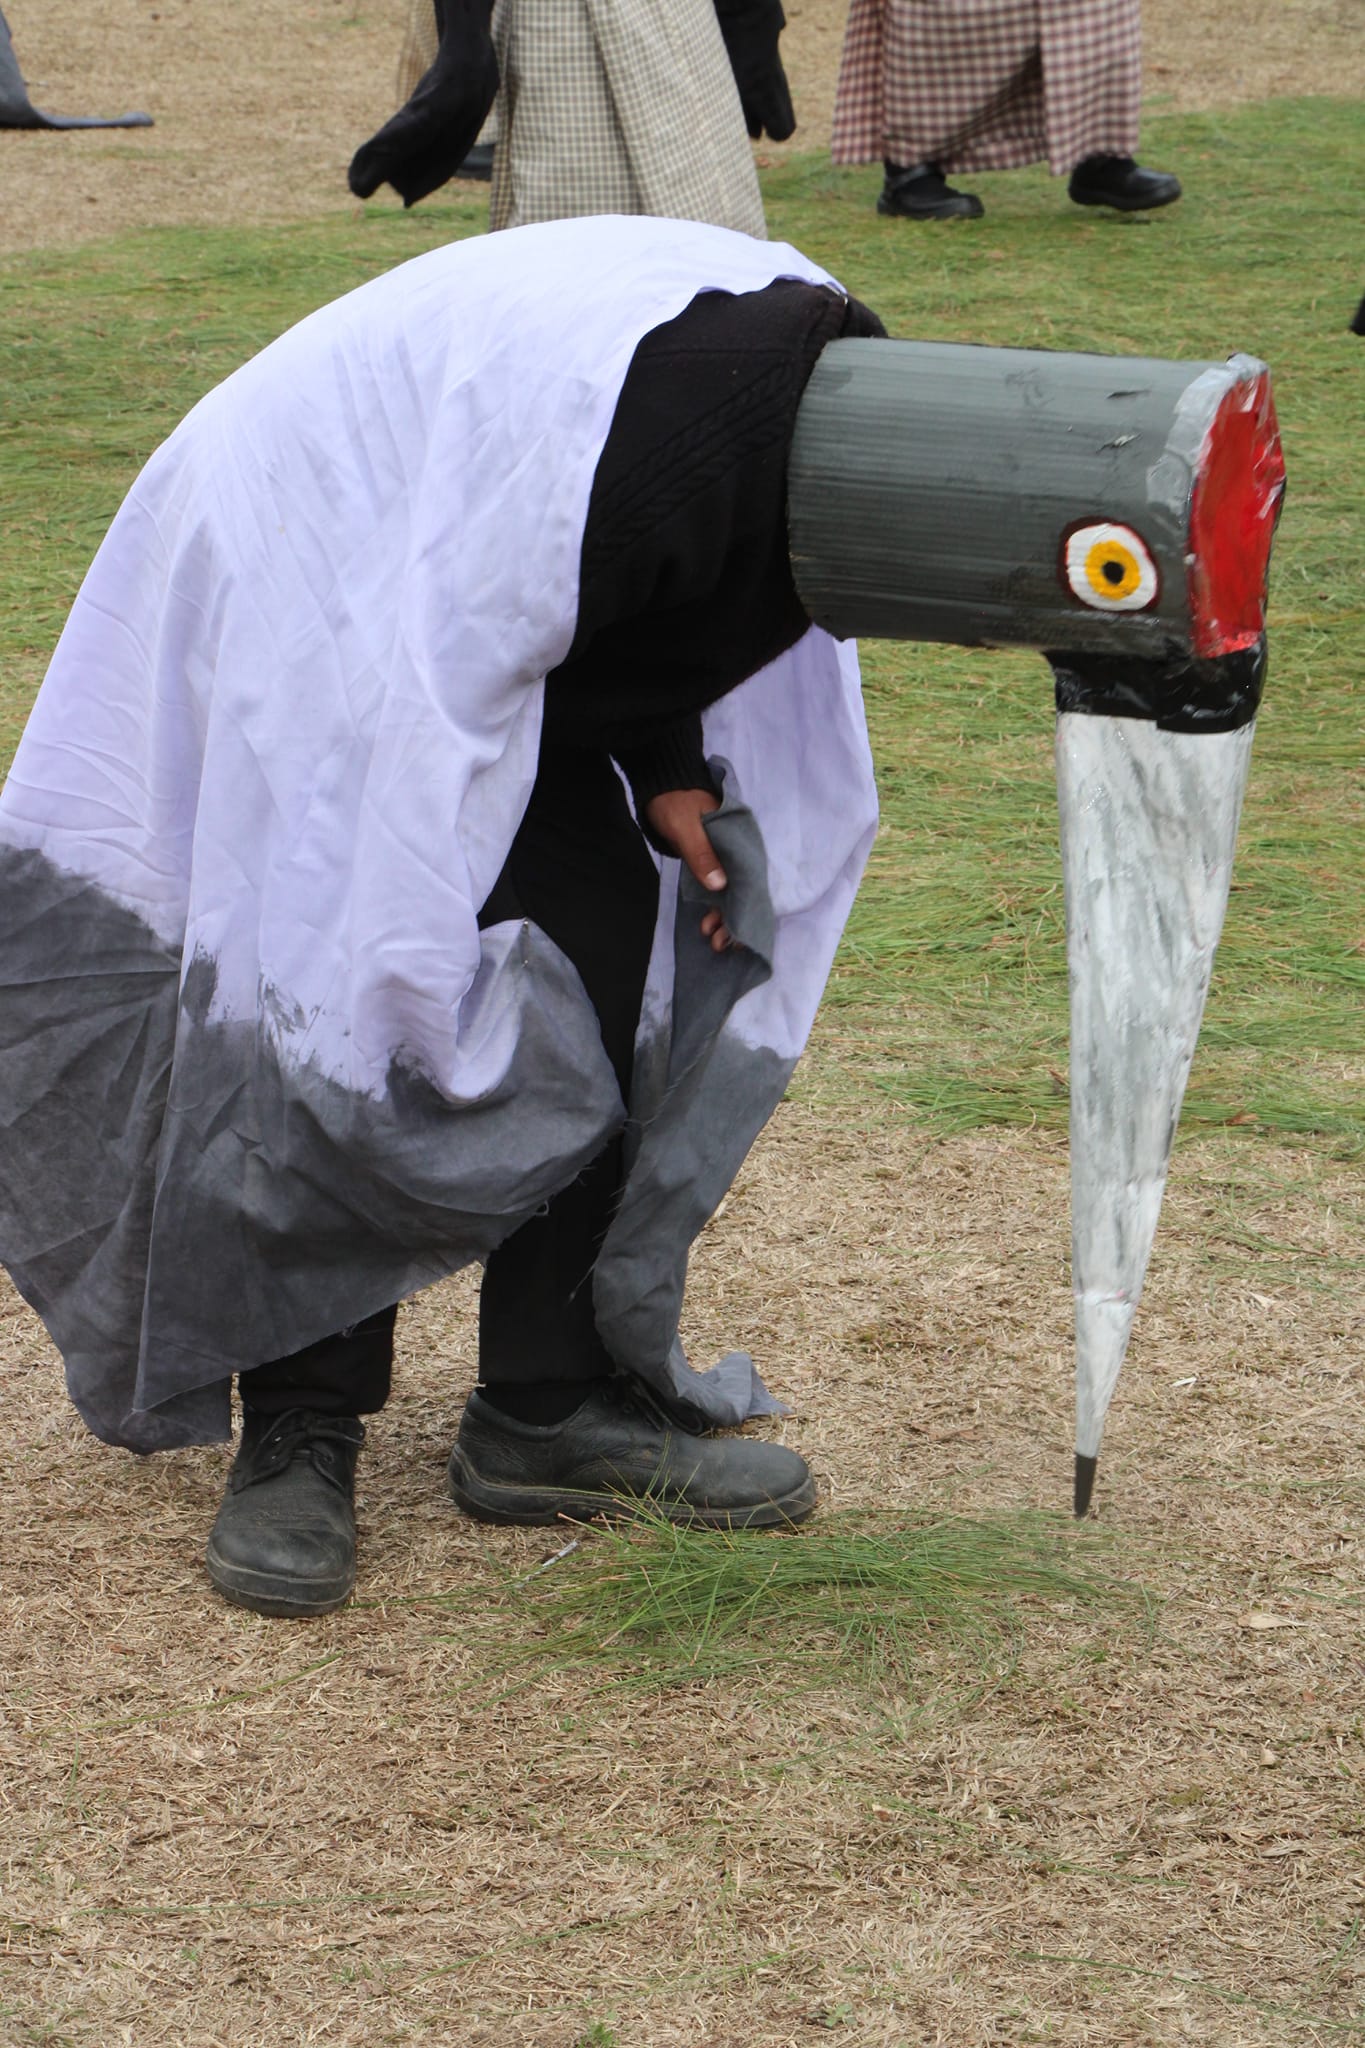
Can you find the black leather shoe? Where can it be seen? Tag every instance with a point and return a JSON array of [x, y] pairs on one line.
[[284, 1540], [1119, 182], [921, 192], [620, 1447], [478, 164]]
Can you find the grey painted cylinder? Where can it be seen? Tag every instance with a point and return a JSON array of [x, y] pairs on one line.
[[933, 487]]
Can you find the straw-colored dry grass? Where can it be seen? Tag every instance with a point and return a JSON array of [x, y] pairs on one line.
[[438, 1818], [378, 1828], [258, 105]]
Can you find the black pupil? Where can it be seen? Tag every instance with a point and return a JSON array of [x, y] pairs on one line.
[[1113, 572]]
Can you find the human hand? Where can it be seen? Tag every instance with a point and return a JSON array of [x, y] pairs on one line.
[[675, 816]]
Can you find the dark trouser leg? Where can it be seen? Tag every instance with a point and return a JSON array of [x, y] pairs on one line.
[[347, 1374], [580, 870]]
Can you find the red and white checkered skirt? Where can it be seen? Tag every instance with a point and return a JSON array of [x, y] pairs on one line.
[[988, 85]]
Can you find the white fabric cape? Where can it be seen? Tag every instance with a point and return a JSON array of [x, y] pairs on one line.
[[260, 1073]]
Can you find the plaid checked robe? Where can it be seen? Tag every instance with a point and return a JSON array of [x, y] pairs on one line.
[[988, 85], [609, 106], [619, 106]]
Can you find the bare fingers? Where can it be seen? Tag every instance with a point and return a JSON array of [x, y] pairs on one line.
[[714, 928]]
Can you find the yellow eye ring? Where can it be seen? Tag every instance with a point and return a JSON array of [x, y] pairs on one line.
[[1110, 568]]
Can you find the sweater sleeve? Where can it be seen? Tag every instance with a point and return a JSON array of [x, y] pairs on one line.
[[671, 758]]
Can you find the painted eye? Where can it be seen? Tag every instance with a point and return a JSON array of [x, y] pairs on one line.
[[1110, 568]]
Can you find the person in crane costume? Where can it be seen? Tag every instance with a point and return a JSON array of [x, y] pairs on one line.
[[338, 957]]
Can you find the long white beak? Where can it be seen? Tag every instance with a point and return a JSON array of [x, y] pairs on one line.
[[1148, 823]]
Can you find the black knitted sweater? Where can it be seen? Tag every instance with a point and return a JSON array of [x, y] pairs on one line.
[[686, 585]]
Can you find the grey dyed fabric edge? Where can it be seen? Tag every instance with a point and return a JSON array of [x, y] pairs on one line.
[[701, 1097], [178, 1203]]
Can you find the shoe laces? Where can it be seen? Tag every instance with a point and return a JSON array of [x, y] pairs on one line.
[[329, 1442]]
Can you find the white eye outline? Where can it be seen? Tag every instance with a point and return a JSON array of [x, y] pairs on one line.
[[1106, 540]]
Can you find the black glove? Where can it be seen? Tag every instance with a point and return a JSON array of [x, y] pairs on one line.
[[428, 139], [751, 29]]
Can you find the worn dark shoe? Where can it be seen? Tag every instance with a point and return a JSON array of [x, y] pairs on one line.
[[478, 164], [921, 192], [620, 1447], [1120, 182], [284, 1540]]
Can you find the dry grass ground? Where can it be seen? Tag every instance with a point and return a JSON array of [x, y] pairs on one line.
[[371, 1829], [414, 1821], [259, 105]]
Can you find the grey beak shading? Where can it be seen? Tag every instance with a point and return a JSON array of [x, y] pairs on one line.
[[18, 111], [1148, 826]]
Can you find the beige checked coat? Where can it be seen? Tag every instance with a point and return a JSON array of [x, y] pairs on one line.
[[610, 106], [988, 85]]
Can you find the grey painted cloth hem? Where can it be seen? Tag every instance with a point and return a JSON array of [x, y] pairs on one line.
[[217, 1204], [180, 1200], [701, 1096]]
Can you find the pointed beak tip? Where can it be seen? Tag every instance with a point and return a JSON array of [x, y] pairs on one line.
[[1085, 1484]]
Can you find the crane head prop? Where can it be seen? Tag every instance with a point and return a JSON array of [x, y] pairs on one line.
[[1117, 514]]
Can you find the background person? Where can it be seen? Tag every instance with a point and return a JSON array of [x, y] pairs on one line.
[[933, 87], [602, 106]]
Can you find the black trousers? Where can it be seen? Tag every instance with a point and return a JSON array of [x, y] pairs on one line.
[[579, 869]]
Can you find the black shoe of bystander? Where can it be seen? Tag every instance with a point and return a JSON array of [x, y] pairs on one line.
[[478, 164], [617, 1449], [284, 1540], [921, 192], [1120, 182]]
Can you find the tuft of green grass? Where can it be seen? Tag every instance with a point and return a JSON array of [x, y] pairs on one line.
[[864, 1598]]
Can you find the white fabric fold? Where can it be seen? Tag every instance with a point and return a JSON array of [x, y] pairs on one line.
[[281, 752]]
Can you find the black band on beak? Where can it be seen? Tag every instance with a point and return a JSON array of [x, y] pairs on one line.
[[1182, 695]]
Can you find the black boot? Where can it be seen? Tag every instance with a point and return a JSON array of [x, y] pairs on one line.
[[921, 192], [478, 164], [1120, 182], [284, 1540], [620, 1447]]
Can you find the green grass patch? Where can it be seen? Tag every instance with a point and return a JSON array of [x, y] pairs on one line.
[[913, 1605], [951, 987], [952, 981]]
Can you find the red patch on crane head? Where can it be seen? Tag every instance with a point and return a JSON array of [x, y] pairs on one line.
[[1238, 487]]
